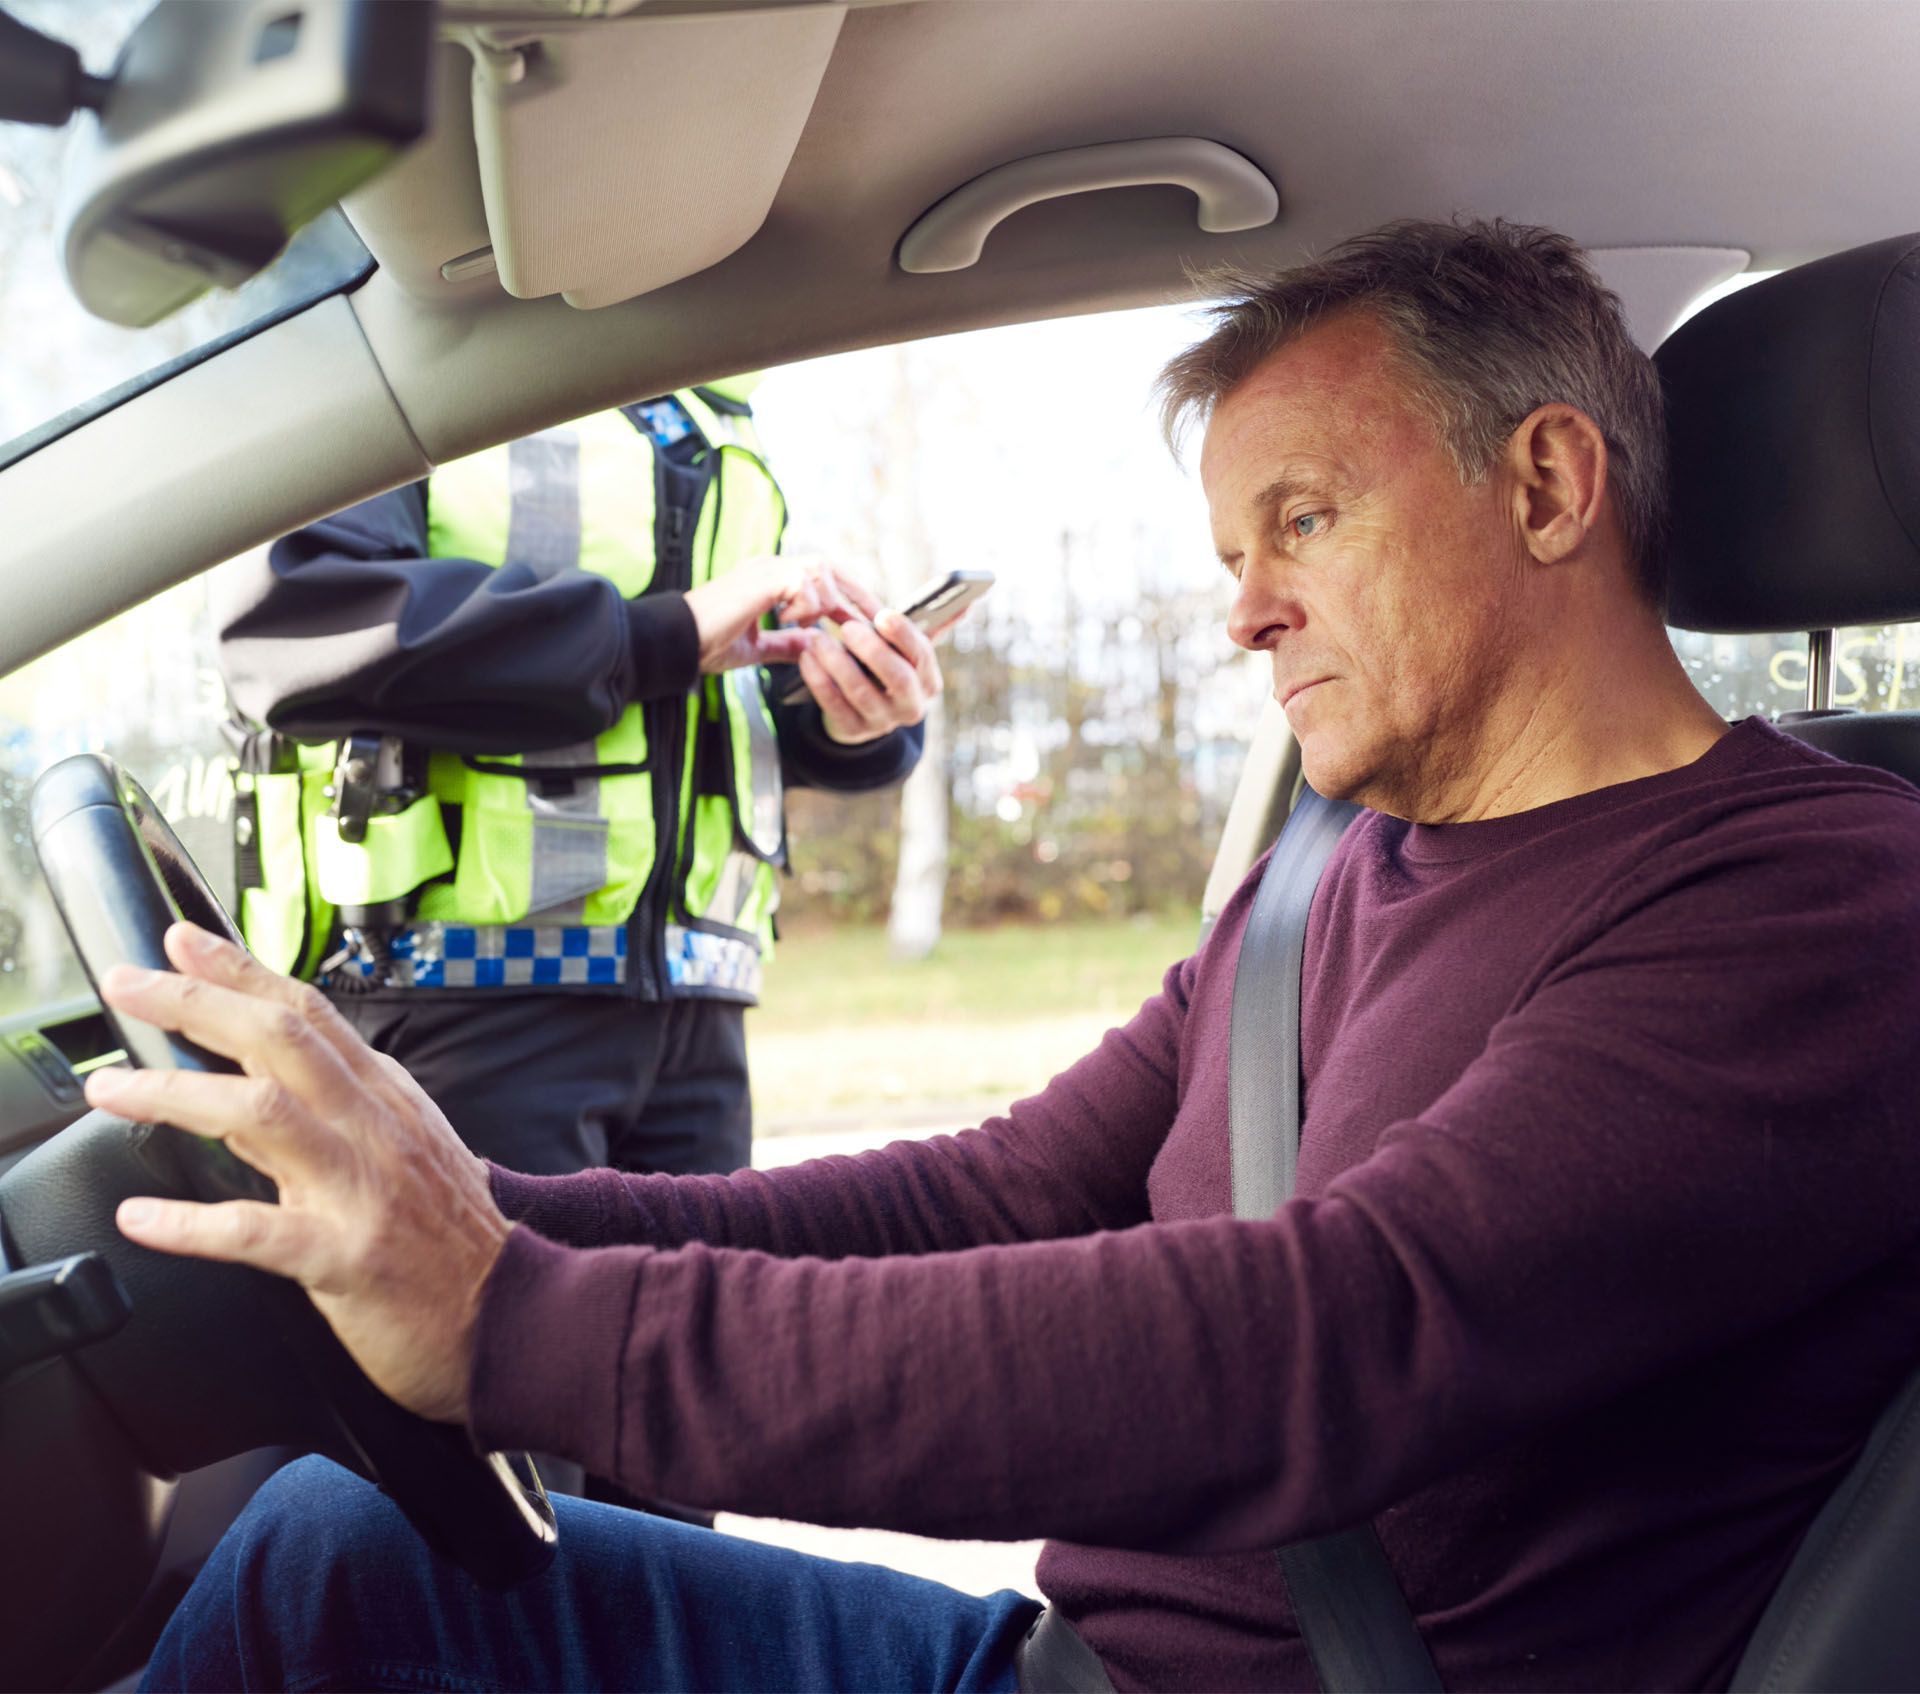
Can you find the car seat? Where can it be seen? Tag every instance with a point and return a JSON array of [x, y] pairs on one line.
[[1794, 420]]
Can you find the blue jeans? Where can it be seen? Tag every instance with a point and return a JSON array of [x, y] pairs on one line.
[[322, 1584]]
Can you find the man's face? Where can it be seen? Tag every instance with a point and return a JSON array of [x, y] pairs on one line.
[[1384, 590]]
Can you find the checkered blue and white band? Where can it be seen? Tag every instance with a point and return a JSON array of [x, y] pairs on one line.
[[696, 958], [444, 955]]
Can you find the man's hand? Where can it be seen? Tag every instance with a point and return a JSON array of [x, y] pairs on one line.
[[384, 1217]]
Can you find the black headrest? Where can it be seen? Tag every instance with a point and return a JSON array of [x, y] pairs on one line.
[[1793, 408]]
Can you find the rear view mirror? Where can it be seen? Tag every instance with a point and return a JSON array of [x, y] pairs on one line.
[[226, 127]]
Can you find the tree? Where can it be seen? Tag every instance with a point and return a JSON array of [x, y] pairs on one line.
[[906, 546]]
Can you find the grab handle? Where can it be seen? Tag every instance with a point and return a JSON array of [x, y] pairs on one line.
[[1234, 193]]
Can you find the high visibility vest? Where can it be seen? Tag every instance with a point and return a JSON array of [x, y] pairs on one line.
[[647, 857]]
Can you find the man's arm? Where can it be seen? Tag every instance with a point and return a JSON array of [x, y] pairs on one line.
[[1069, 1161], [1697, 1128], [1700, 1128], [348, 625]]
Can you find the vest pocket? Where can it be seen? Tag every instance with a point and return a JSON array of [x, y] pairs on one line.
[[564, 836], [402, 851]]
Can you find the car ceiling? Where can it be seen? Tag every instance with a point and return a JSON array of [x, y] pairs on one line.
[[1683, 142]]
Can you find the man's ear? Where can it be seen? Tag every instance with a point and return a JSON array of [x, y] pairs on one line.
[[1558, 461]]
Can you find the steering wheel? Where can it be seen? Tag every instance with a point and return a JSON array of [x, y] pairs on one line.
[[119, 877]]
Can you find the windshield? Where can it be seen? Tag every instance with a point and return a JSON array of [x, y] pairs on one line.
[[63, 366]]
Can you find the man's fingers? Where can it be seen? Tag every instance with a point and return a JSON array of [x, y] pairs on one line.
[[242, 1232], [195, 952], [259, 1117], [265, 1036]]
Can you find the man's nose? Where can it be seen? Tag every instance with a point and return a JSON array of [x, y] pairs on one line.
[[1260, 612]]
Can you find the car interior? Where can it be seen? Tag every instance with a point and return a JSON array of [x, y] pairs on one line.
[[612, 202]]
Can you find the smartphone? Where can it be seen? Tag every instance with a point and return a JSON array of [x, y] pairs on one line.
[[947, 597], [943, 598]]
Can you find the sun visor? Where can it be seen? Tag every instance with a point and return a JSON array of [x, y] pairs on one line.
[[1793, 410], [621, 157]]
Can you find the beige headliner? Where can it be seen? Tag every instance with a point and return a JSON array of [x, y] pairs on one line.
[[1730, 126]]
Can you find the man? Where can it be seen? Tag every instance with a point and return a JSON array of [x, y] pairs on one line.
[[1602, 1259], [512, 790]]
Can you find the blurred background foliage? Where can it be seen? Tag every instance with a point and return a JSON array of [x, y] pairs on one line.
[[1109, 825], [1095, 714]]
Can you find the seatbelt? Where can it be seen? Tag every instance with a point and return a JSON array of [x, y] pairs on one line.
[[1052, 1659], [1355, 1621]]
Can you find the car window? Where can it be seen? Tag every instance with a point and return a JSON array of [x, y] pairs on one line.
[[1095, 720], [143, 688], [1095, 717], [1875, 669]]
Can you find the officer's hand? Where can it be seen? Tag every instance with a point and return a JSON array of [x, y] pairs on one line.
[[901, 679], [727, 611], [384, 1217]]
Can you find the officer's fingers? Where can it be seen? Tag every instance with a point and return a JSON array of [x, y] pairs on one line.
[[926, 662], [259, 1118], [898, 679], [804, 590], [857, 594], [829, 594], [802, 604], [868, 700], [781, 646], [842, 718], [914, 645], [904, 661], [743, 596], [244, 1232]]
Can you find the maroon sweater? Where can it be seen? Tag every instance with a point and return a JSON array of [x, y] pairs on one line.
[[1606, 1253]]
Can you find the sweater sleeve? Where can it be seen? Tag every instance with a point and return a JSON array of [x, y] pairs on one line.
[[1069, 1161], [1722, 1070], [349, 626]]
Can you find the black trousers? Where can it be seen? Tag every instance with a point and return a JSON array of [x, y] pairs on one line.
[[553, 1083]]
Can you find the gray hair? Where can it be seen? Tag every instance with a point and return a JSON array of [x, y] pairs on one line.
[[1489, 320]]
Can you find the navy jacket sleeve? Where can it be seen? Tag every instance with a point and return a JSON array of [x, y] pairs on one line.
[[349, 626]]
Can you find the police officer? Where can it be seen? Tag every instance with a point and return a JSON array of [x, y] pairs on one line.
[[511, 759]]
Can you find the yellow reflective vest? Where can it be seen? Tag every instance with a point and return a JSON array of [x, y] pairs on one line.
[[643, 858]]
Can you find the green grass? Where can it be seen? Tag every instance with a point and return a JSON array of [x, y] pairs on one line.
[[834, 978]]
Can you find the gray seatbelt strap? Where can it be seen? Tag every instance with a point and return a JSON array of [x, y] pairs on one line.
[[1355, 1621], [1054, 1660]]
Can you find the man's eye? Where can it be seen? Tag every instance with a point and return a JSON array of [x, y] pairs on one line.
[[1308, 524]]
